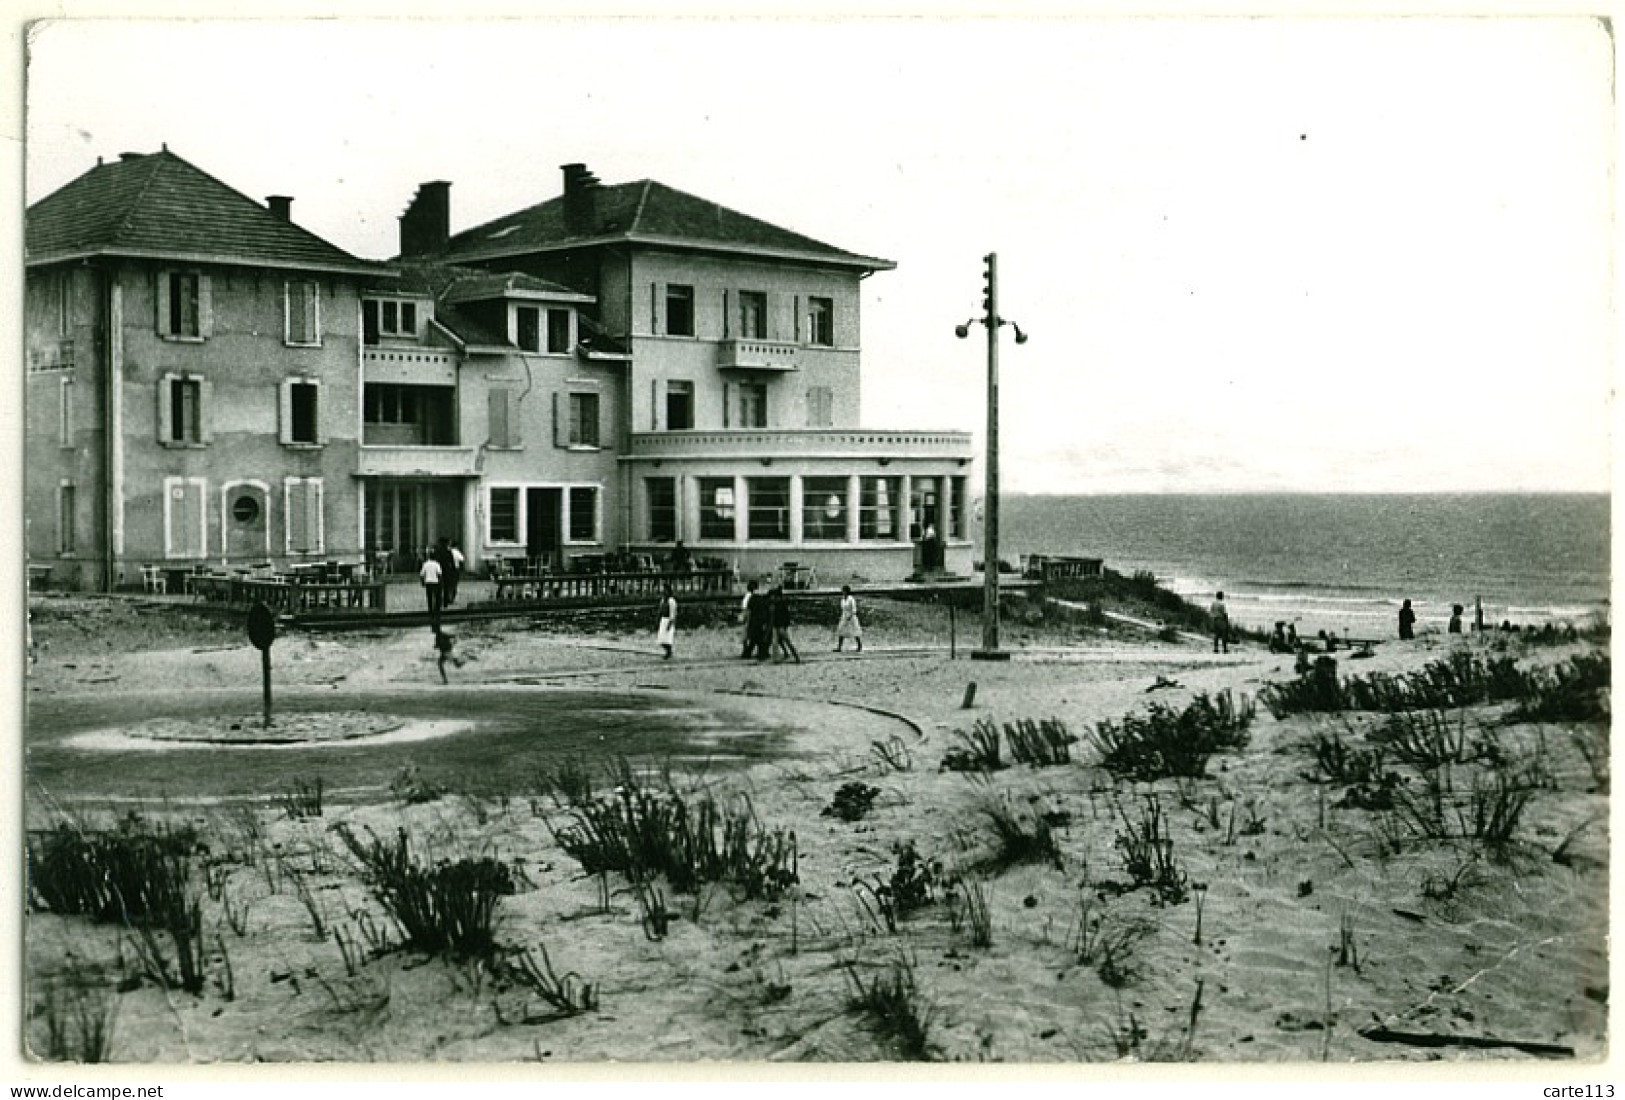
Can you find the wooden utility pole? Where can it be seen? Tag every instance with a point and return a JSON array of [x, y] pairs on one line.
[[990, 650]]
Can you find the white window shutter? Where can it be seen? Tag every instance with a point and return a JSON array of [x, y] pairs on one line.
[[205, 411], [294, 516], [727, 404], [496, 405], [166, 423], [284, 419], [313, 513], [516, 434], [316, 413], [205, 307], [654, 404], [161, 297], [558, 426]]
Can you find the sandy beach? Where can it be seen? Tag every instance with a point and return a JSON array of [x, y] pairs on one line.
[[1297, 932]]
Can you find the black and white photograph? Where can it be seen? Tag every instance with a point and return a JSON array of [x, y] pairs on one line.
[[788, 540]]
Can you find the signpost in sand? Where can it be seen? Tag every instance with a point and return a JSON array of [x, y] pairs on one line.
[[262, 632]]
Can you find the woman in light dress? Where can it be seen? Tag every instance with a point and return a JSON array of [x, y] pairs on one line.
[[666, 632], [849, 626]]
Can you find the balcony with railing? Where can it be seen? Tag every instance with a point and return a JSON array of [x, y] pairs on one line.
[[416, 461], [761, 443], [409, 365], [743, 354]]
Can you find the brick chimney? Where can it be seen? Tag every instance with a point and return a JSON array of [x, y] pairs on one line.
[[580, 199], [426, 225], [281, 206]]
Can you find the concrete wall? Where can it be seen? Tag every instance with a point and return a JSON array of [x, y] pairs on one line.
[[63, 445], [540, 385], [658, 356], [243, 360]]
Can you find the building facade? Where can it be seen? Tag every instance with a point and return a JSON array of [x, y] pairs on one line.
[[619, 369], [484, 421], [738, 351], [192, 365]]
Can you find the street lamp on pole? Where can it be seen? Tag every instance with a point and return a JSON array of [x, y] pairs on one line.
[[991, 320]]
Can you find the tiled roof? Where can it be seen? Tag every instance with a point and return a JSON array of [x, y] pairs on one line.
[[156, 204], [450, 285], [475, 286], [645, 212]]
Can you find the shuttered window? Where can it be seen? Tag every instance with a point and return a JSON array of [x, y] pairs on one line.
[[504, 427], [184, 516], [302, 514], [183, 410], [302, 308], [185, 309]]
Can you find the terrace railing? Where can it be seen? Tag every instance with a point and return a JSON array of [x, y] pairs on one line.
[[610, 587], [290, 597]]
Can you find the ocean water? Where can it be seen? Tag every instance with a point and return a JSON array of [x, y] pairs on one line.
[[1340, 562]]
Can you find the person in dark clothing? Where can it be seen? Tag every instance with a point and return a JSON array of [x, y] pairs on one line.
[[442, 648], [781, 626], [448, 572], [1407, 622], [681, 561], [1455, 618], [759, 626]]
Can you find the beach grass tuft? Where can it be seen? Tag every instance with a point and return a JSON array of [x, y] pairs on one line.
[[445, 908], [1166, 742]]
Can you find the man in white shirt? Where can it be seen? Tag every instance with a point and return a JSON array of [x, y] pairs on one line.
[[430, 575]]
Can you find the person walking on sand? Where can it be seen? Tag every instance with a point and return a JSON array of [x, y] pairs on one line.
[[849, 626], [747, 636], [781, 626], [442, 648], [430, 576], [457, 560], [666, 632], [1455, 618], [759, 625], [1407, 622], [1220, 614], [447, 561]]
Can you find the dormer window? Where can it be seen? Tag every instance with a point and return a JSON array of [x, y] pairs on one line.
[[542, 330], [388, 317]]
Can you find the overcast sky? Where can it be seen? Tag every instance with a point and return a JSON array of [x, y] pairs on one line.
[[1257, 254]]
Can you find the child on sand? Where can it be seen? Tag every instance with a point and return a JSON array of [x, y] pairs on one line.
[[666, 632], [781, 626], [849, 626], [442, 648]]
